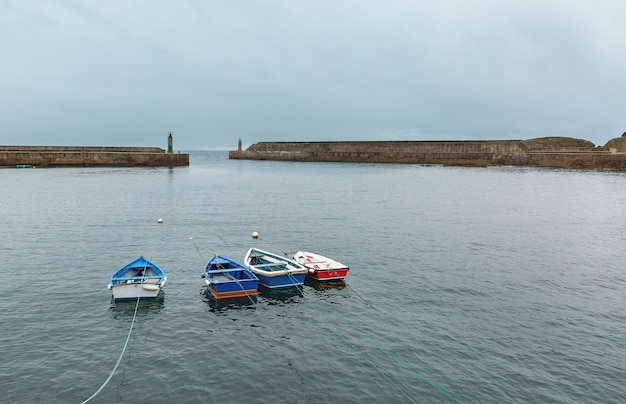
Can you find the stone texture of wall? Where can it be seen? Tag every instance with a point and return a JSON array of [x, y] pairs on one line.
[[427, 152], [51, 156], [545, 152]]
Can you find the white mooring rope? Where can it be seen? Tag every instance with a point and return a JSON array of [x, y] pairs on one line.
[[119, 359]]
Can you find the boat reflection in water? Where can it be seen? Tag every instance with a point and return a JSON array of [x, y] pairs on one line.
[[231, 303], [281, 295], [126, 308], [324, 285]]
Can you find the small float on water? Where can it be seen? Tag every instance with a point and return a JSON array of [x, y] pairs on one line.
[[139, 279]]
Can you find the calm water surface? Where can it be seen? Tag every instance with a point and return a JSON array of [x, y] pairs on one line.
[[466, 285]]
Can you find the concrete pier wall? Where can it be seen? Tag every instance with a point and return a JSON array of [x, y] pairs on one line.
[[428, 152], [475, 152], [60, 156], [458, 153]]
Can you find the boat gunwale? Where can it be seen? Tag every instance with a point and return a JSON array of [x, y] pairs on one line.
[[293, 267], [238, 267], [332, 265]]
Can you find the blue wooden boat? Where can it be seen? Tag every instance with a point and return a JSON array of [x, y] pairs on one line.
[[226, 278], [274, 271], [138, 279]]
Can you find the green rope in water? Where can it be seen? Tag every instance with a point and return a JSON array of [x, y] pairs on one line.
[[343, 337], [295, 283], [118, 360], [398, 361]]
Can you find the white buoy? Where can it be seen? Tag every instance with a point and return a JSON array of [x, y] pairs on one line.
[[255, 234], [160, 220]]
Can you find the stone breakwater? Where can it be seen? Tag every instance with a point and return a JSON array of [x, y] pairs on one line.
[[60, 156], [544, 152]]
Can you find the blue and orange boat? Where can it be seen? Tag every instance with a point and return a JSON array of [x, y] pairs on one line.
[[226, 278]]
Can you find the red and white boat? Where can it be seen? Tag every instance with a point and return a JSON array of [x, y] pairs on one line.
[[321, 268]]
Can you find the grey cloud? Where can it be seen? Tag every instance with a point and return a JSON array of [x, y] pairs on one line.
[[128, 72]]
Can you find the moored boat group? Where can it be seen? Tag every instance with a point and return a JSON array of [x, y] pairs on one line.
[[226, 278]]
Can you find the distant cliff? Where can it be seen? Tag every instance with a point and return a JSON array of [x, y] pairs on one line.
[[561, 152], [617, 145]]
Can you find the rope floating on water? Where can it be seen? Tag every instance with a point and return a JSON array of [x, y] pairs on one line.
[[392, 357], [295, 284], [118, 360]]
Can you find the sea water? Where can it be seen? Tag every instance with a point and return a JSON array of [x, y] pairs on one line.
[[476, 285]]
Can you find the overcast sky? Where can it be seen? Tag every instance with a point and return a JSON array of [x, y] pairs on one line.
[[127, 72]]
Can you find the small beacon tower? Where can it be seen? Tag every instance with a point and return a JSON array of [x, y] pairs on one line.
[[170, 144], [239, 145]]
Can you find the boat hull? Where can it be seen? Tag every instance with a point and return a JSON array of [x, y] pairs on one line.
[[327, 274], [231, 289], [283, 281], [132, 291]]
